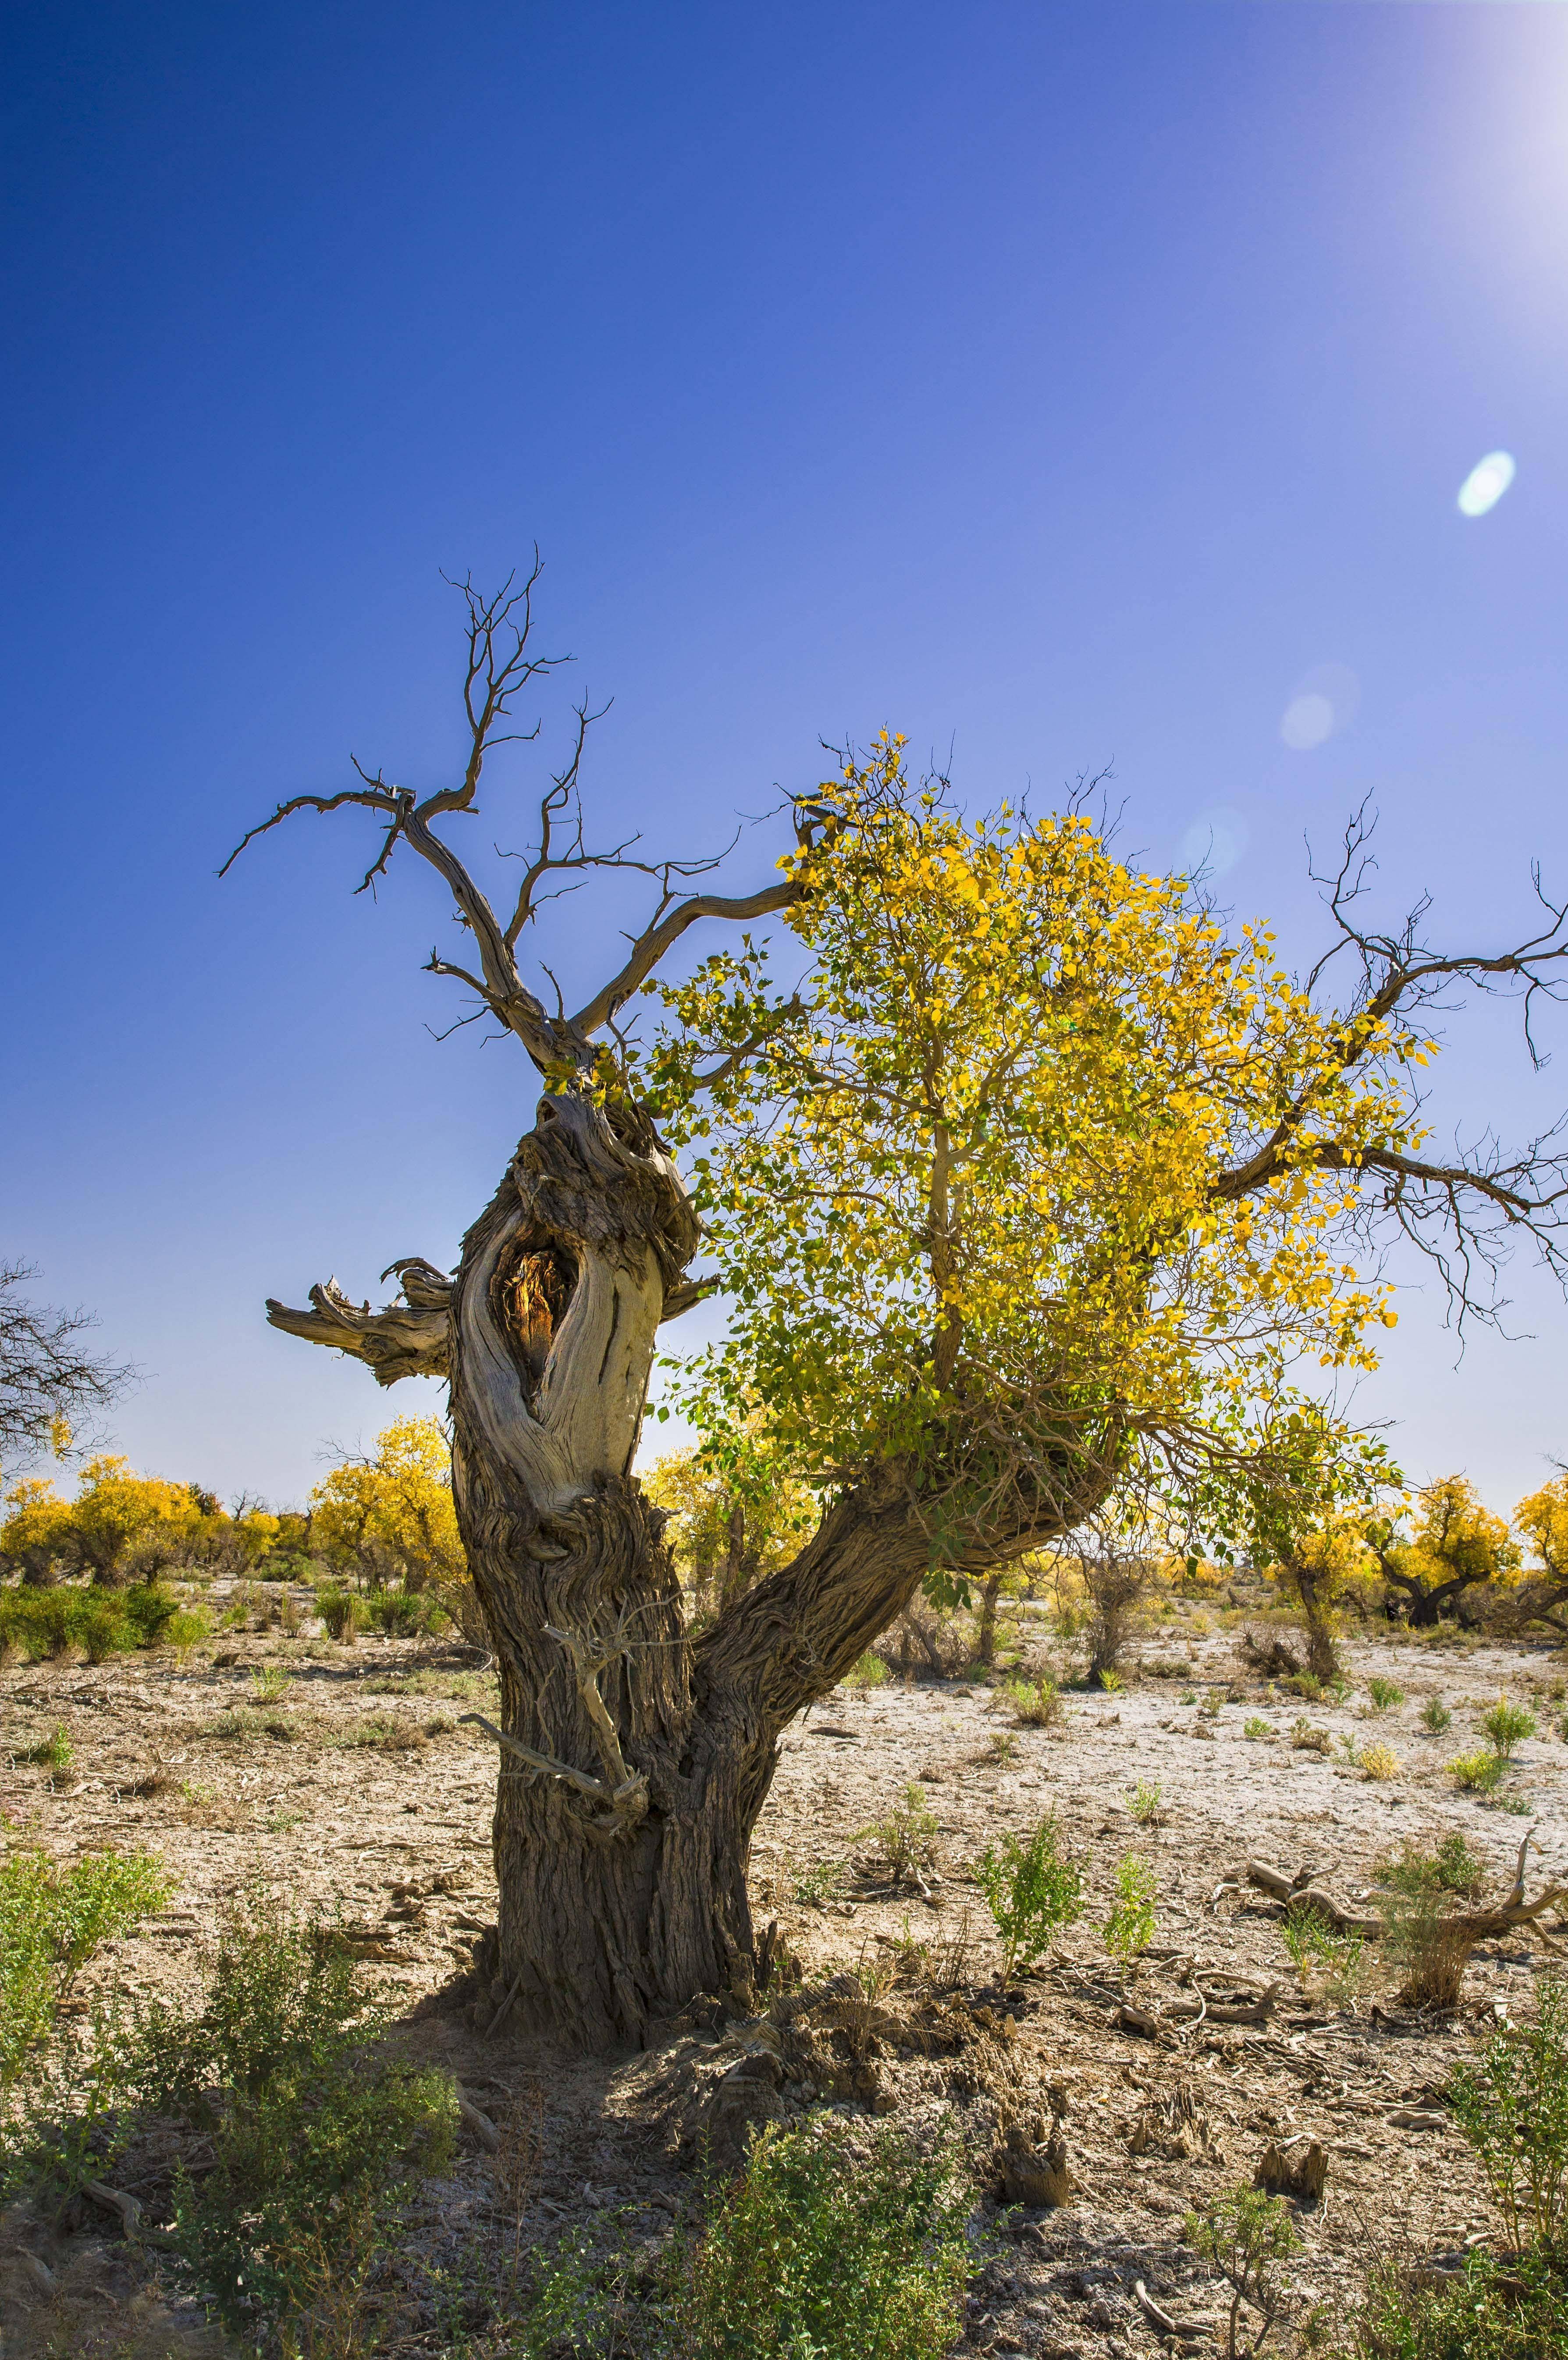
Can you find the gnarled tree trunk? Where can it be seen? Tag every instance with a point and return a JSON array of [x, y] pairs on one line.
[[633, 1762]]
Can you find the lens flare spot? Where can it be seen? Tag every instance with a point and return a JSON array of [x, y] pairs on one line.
[[1327, 699], [1308, 720], [1214, 842], [1485, 484]]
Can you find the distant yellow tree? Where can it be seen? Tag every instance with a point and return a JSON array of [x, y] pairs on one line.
[[390, 1517], [120, 1523], [1543, 1518], [728, 1523], [1457, 1544]]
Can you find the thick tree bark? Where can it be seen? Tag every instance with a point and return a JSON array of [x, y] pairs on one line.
[[633, 1761]]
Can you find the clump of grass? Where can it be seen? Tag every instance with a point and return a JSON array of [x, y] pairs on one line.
[[816, 1883], [907, 1837], [1307, 1738], [54, 1752], [1478, 1774], [1436, 1716], [1255, 1726], [1384, 1693], [1003, 1747], [1305, 1685], [1129, 1928], [1507, 1725], [1144, 1803], [1037, 1704], [1032, 1889], [269, 1683]]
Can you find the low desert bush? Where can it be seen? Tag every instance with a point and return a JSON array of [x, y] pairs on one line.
[[906, 1837], [1129, 1929], [52, 1920], [827, 2244], [868, 1672], [1257, 1727], [1384, 1693], [1512, 2105], [343, 1613], [1449, 1866], [818, 2248], [309, 2129], [1037, 1704], [1478, 1774], [1436, 1716], [1490, 2310], [1379, 1762], [1309, 1739], [40, 1623], [54, 1752], [1032, 1890], [399, 1614], [1246, 2237], [1306, 1685], [816, 1883], [1144, 1803], [1507, 1725]]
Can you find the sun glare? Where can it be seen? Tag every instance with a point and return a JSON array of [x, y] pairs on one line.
[[1485, 484]]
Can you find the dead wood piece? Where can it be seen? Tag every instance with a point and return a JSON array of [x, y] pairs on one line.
[[1133, 2019], [481, 2126], [1270, 1879], [1343, 1920], [1415, 2118], [115, 2200], [1160, 2318], [1301, 2176]]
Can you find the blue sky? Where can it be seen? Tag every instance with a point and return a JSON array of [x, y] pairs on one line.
[[1064, 385]]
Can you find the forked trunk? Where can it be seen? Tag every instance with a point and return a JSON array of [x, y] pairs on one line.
[[633, 1760]]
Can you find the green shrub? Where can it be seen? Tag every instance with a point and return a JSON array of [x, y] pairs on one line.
[[1505, 1725], [1031, 1891], [1490, 2311], [1478, 1774], [343, 1613], [1245, 2236], [907, 1837], [825, 2247], [1305, 1737], [399, 1613], [52, 1920], [1129, 1929], [1036, 1703], [1143, 1802], [818, 1882], [311, 2130], [1512, 2106], [816, 2249], [1449, 1867], [1436, 1716], [1384, 1693], [186, 1625], [1255, 1727], [102, 1622], [868, 1672], [1306, 1685]]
